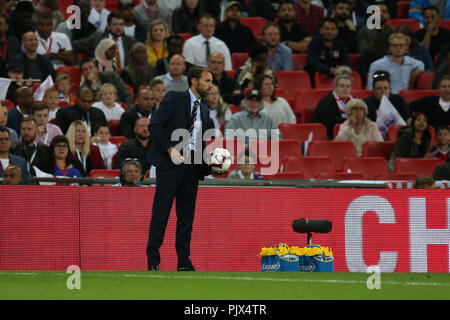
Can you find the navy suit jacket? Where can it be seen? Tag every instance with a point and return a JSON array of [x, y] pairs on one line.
[[174, 112], [19, 162]]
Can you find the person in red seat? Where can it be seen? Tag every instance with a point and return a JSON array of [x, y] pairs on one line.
[[412, 141], [81, 148], [101, 140]]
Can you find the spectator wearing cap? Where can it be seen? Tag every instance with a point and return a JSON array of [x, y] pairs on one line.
[[236, 36], [251, 120], [198, 48], [36, 66], [132, 27], [9, 46], [149, 10], [55, 45]]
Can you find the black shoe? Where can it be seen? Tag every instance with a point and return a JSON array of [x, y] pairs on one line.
[[189, 268], [153, 267]]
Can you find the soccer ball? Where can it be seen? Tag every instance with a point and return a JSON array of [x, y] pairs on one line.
[[220, 161]]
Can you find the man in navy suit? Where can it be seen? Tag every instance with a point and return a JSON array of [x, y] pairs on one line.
[[177, 153]]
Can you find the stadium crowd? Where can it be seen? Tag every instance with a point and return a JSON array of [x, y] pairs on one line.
[[77, 101]]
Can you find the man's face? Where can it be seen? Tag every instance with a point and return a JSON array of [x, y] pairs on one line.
[[30, 41], [398, 47], [444, 90], [116, 27], [286, 13], [253, 105], [329, 31], [380, 88], [271, 36], [141, 128], [84, 100], [176, 65], [41, 117], [44, 27], [5, 142], [12, 176], [3, 26], [28, 132], [88, 68], [145, 99], [342, 11], [261, 62], [431, 17], [204, 84], [25, 98], [233, 13], [132, 174], [384, 13], [206, 27], [216, 63]]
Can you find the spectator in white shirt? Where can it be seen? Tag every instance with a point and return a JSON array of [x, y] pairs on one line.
[[99, 14], [198, 48], [108, 95], [55, 45]]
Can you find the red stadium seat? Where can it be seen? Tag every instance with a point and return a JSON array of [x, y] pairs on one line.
[[184, 36], [335, 150], [63, 4], [256, 24], [444, 23], [411, 95], [8, 103], [323, 81], [412, 23], [307, 98], [425, 81], [238, 59], [114, 125], [342, 176], [104, 173], [111, 5], [300, 132], [402, 9], [265, 155], [310, 167], [377, 149], [230, 73], [370, 168], [63, 104], [354, 60], [361, 94], [397, 176], [299, 60], [74, 73], [291, 81], [123, 105], [416, 165], [235, 109], [117, 140], [336, 130], [307, 114]]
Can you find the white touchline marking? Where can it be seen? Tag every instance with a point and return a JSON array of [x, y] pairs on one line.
[[160, 276]]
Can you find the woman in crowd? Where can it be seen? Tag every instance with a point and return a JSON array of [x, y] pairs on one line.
[[62, 164], [412, 141], [158, 31], [185, 18], [105, 52], [358, 128], [275, 107], [138, 72], [81, 149], [331, 109], [219, 110]]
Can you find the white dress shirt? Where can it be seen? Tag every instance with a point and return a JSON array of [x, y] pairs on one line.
[[53, 44], [194, 50], [198, 120]]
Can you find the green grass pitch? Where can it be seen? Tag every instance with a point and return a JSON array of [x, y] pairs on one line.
[[221, 286]]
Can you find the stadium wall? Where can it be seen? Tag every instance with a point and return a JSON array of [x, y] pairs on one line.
[[105, 228]]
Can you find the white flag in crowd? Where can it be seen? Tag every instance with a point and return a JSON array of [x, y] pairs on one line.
[[387, 115], [39, 94]]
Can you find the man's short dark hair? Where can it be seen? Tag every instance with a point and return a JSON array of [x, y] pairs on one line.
[[432, 7], [115, 14], [328, 19], [82, 89], [86, 60], [44, 15], [286, 2], [4, 129], [271, 24], [257, 49], [173, 37], [39, 106], [196, 72], [336, 2]]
